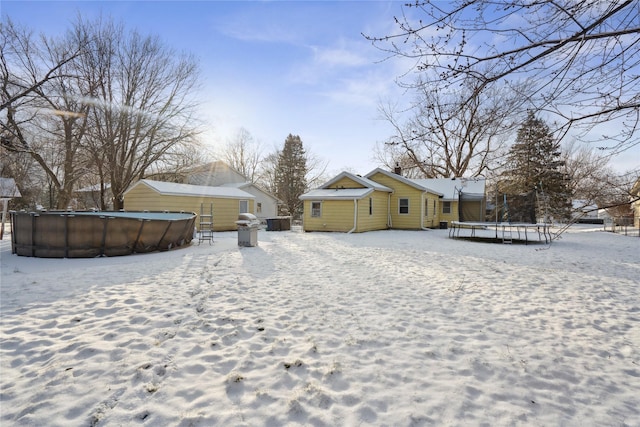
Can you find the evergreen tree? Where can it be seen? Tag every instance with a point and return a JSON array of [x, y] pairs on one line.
[[534, 175], [290, 175]]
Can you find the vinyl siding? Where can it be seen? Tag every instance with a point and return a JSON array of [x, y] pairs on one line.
[[346, 182], [453, 216], [378, 219], [337, 215], [225, 210], [409, 221], [432, 217]]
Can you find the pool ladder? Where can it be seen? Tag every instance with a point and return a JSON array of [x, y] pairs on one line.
[[205, 231]]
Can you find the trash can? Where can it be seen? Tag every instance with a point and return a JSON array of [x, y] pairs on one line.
[[285, 223], [248, 226], [443, 225], [279, 223]]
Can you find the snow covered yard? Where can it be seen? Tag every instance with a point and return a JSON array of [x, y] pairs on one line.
[[394, 328]]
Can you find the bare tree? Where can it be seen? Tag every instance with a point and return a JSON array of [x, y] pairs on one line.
[[142, 99], [99, 101], [451, 133], [244, 154], [588, 172], [40, 118], [580, 57], [25, 63]]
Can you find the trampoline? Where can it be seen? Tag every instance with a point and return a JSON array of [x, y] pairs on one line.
[[501, 232], [88, 234]]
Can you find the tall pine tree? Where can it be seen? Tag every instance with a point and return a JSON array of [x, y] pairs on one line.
[[291, 175], [534, 177]]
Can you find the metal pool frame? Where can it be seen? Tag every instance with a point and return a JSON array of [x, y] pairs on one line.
[[89, 234]]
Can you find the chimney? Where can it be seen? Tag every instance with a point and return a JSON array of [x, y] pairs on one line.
[[397, 170]]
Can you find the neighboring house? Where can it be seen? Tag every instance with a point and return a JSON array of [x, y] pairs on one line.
[[228, 202], [89, 197], [635, 205], [410, 204], [219, 174], [347, 203], [8, 190], [587, 213]]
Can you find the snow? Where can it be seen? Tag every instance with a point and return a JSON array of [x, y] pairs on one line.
[[395, 328]]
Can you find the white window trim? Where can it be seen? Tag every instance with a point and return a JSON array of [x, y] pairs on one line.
[[319, 210], [408, 206]]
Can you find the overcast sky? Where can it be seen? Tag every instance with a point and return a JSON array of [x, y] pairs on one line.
[[271, 67]]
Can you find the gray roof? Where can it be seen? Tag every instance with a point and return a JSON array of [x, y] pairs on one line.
[[451, 187], [8, 188], [326, 193], [175, 189], [337, 194], [422, 186], [250, 186], [360, 180]]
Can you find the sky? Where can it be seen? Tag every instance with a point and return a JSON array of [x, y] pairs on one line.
[[273, 67]]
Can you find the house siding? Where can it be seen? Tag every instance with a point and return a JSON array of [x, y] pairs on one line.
[[346, 182], [225, 210], [219, 173], [635, 206], [448, 217], [412, 220], [432, 216], [269, 204], [377, 220], [336, 215]]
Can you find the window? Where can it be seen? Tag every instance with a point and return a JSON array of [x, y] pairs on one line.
[[446, 207], [244, 206], [370, 206], [403, 206], [258, 207], [426, 207], [316, 209]]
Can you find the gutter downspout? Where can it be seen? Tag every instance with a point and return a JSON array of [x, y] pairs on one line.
[[389, 222], [422, 227], [355, 216]]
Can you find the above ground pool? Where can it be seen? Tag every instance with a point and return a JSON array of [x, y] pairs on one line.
[[64, 234]]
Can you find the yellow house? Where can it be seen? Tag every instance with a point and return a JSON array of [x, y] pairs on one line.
[[463, 199], [384, 199], [635, 204], [228, 202], [412, 205], [347, 203]]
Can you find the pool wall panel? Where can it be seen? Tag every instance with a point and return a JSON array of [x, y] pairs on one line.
[[89, 234]]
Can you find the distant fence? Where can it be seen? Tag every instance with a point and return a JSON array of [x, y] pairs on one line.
[[622, 225]]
